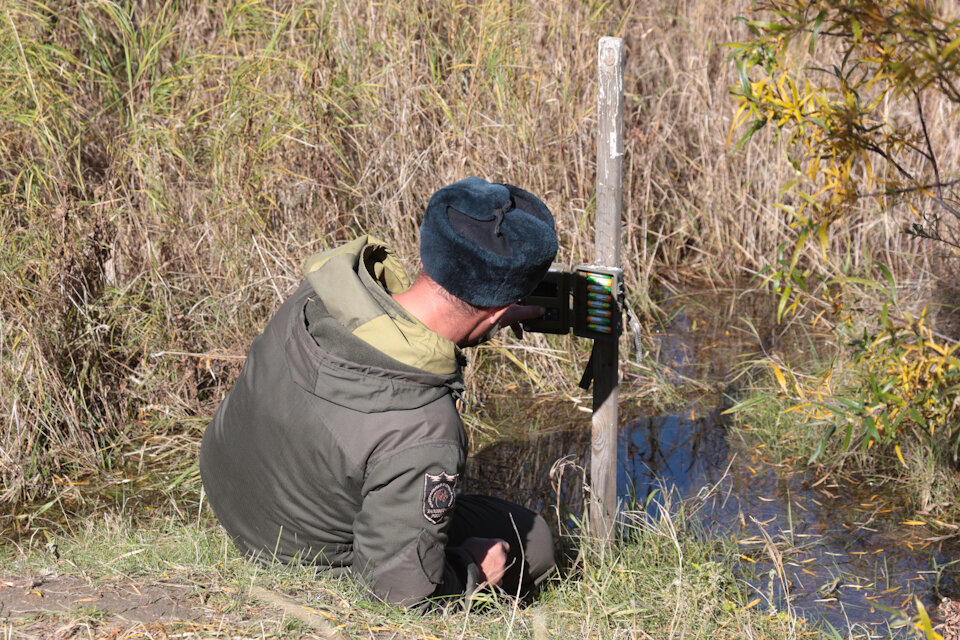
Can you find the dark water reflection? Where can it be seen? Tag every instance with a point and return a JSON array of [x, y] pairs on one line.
[[824, 549]]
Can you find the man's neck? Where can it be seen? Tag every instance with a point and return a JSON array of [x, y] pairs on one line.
[[434, 312], [432, 306]]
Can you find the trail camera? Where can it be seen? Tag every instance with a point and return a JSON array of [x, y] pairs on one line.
[[553, 293], [586, 299]]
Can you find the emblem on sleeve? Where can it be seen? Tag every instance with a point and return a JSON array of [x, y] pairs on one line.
[[439, 496]]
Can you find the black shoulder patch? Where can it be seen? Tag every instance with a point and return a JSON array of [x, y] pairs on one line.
[[439, 496]]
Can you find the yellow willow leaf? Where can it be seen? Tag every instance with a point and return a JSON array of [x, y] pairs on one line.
[[318, 612], [523, 367], [830, 171], [942, 350], [797, 407], [900, 455], [822, 233], [737, 120], [751, 604], [881, 95], [923, 622], [780, 377], [779, 103], [783, 94], [950, 48], [868, 166]]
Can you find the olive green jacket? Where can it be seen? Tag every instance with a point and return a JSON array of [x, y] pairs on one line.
[[340, 444]]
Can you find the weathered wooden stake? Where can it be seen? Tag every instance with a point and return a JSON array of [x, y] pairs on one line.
[[603, 465]]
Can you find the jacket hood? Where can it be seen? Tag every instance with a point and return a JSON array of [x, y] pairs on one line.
[[362, 349], [354, 279]]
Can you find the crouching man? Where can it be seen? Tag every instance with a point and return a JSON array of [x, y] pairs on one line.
[[340, 444]]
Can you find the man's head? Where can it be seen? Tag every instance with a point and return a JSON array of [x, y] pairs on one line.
[[487, 244]]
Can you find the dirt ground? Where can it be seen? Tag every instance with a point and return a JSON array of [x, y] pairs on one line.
[[156, 602], [51, 606]]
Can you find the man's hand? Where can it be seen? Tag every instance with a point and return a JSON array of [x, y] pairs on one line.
[[518, 313], [490, 555]]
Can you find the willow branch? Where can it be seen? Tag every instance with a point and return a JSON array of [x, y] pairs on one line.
[[926, 139], [938, 199], [919, 187]]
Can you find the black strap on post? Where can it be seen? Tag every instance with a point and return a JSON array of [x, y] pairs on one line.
[[587, 376]]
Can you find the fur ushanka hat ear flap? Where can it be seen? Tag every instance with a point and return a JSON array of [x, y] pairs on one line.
[[487, 244]]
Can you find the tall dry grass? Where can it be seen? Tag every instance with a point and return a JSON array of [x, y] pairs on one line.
[[166, 166]]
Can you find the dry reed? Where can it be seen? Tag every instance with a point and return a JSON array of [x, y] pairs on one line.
[[165, 167]]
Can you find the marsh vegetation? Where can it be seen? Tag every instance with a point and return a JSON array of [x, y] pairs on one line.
[[165, 167]]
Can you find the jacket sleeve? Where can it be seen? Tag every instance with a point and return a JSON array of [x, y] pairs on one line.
[[400, 533]]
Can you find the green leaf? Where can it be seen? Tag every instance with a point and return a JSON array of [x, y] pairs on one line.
[[44, 508], [748, 24], [744, 80], [816, 29], [772, 27], [872, 433], [744, 404], [786, 207], [784, 298], [789, 186], [848, 436], [755, 126], [850, 404], [917, 417], [808, 198], [889, 398], [892, 284], [833, 631], [822, 444], [801, 240], [855, 280]]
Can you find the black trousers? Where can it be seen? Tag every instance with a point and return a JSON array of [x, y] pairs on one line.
[[531, 557]]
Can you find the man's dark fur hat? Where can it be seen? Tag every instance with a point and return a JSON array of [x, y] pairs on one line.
[[488, 244]]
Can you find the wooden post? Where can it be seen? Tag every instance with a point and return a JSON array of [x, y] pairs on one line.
[[603, 465]]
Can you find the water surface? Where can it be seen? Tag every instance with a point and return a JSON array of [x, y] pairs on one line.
[[827, 549]]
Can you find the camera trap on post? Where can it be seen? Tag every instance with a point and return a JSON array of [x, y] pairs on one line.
[[587, 299]]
